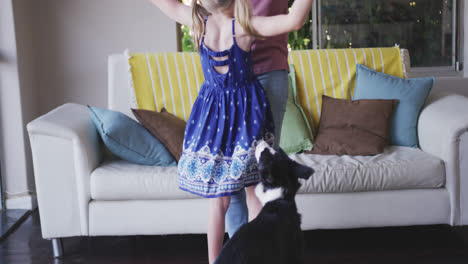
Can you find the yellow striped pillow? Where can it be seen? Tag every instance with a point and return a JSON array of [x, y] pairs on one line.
[[172, 80], [332, 72]]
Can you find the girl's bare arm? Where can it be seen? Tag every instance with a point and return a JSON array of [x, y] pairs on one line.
[[280, 24], [176, 10]]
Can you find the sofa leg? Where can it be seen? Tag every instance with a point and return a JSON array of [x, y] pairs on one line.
[[57, 247]]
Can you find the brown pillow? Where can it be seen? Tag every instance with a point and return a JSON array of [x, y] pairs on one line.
[[358, 127], [166, 127]]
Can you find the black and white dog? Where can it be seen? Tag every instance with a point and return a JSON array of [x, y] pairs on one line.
[[275, 236]]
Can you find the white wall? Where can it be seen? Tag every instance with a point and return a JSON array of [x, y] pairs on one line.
[[74, 38], [452, 85], [15, 157], [55, 51], [23, 14], [464, 33]]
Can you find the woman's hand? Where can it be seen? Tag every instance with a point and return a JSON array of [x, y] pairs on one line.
[[176, 10], [280, 24]]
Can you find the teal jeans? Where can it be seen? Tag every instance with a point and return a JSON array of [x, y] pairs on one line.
[[276, 87]]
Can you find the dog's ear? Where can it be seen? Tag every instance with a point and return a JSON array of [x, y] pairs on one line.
[[301, 171], [282, 154]]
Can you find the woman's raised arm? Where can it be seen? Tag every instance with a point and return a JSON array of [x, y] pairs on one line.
[[176, 10], [280, 24]]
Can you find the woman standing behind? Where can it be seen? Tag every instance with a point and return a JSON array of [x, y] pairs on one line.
[[270, 65]]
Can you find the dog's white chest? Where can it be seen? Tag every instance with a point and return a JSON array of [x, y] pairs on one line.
[[268, 195]]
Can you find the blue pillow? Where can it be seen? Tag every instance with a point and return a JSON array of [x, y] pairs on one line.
[[410, 93], [129, 140]]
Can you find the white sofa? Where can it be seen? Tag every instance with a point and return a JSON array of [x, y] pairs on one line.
[[81, 193]]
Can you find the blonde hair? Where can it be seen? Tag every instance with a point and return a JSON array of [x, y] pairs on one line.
[[242, 13]]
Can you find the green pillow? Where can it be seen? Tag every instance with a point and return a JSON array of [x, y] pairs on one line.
[[296, 134]]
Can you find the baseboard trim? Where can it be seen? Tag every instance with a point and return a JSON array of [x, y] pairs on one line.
[[24, 201]]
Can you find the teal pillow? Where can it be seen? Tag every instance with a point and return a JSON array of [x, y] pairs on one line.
[[296, 134], [129, 140], [410, 93]]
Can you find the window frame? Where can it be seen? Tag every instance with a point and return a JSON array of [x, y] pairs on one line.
[[455, 70]]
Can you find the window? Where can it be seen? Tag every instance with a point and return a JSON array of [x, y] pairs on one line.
[[186, 40], [427, 28]]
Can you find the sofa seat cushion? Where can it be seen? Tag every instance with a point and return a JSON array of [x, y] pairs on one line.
[[122, 180], [397, 168]]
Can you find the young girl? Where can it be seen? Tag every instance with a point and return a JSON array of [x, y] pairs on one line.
[[231, 113]]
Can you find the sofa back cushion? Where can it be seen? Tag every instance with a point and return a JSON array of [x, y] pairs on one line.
[[164, 126], [172, 79], [129, 140], [410, 93], [332, 72], [353, 127], [296, 134]]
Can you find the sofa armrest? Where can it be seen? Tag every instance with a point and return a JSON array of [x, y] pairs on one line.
[[443, 132], [66, 148]]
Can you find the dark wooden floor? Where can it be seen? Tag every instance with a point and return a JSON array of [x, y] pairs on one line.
[[429, 244], [10, 219]]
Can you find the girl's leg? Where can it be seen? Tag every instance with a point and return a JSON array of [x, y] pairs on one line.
[[216, 214], [253, 203]]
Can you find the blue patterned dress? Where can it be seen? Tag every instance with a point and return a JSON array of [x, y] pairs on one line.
[[230, 115]]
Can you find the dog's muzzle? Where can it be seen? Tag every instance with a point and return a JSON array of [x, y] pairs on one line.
[[262, 145]]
